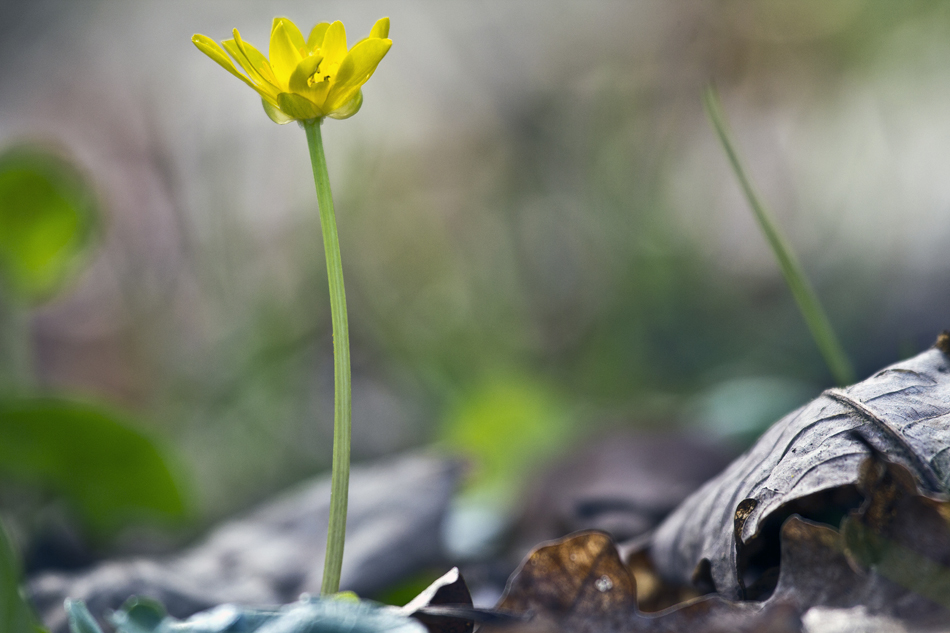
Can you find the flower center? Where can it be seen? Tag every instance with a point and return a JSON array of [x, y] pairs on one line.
[[322, 73]]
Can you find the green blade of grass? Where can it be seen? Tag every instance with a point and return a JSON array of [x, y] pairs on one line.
[[805, 297], [16, 616]]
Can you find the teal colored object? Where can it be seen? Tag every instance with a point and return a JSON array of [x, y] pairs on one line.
[[309, 615]]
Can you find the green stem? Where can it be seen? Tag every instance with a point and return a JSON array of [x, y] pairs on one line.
[[342, 398], [805, 296]]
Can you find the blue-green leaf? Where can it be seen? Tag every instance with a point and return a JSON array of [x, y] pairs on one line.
[[80, 620], [309, 615], [141, 615]]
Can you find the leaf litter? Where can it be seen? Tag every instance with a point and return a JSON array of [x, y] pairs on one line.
[[840, 508], [809, 463], [837, 520]]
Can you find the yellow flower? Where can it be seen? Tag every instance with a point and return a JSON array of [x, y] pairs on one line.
[[305, 79]]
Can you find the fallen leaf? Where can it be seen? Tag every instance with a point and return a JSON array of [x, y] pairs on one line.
[[902, 536], [555, 593], [809, 463], [578, 576]]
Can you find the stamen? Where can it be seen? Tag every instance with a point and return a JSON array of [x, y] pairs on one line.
[[311, 81]]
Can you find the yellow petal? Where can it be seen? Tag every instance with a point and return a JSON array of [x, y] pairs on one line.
[[262, 84], [334, 43], [275, 114], [380, 29], [252, 57], [349, 108], [284, 53], [356, 69], [213, 50], [315, 39], [295, 35], [297, 107]]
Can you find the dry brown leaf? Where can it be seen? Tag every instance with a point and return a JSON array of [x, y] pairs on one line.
[[580, 584], [809, 463]]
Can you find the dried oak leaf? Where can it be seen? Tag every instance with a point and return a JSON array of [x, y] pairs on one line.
[[727, 533]]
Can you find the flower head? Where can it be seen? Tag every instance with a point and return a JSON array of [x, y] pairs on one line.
[[304, 79]]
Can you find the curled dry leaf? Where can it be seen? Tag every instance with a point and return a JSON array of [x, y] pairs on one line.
[[904, 537], [726, 535], [891, 558]]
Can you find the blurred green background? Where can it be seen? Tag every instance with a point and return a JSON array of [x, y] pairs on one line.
[[541, 238]]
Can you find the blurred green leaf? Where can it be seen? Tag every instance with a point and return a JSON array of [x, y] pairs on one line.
[[95, 457], [48, 217], [15, 615], [507, 425]]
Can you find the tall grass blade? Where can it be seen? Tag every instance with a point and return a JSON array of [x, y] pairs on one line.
[[805, 297]]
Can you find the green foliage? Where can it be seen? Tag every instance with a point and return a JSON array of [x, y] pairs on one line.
[[15, 614], [507, 425], [48, 218], [94, 457]]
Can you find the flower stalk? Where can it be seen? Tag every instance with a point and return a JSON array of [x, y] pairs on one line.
[[307, 80], [808, 303], [304, 79], [342, 394]]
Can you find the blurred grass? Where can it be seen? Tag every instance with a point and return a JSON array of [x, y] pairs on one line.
[[808, 304], [16, 616]]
